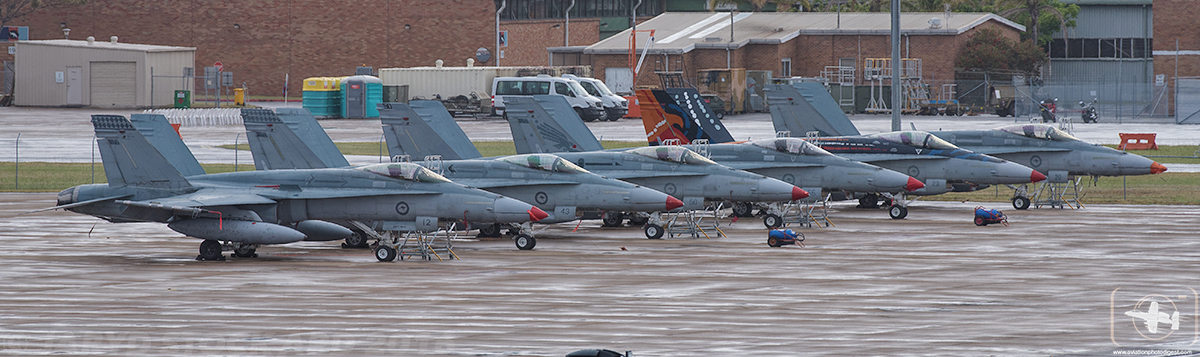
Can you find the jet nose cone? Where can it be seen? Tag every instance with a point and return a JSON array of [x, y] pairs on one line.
[[536, 214], [511, 210], [915, 184], [673, 203], [1036, 176], [798, 193], [1157, 168]]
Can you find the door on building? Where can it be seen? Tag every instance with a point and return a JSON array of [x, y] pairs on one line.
[[356, 99], [619, 79], [113, 84], [74, 87]]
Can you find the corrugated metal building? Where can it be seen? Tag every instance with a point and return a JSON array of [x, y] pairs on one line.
[[1106, 56], [97, 73]]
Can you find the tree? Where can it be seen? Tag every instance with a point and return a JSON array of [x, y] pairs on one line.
[[14, 9], [990, 51], [1029, 13]]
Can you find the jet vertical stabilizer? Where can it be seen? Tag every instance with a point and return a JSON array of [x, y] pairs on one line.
[[129, 159], [547, 124], [422, 128], [274, 145], [305, 126], [805, 107], [163, 137], [679, 113]]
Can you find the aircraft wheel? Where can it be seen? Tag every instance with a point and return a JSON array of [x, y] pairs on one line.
[[870, 200], [743, 209], [772, 221], [210, 250], [356, 240], [525, 242], [979, 221], [638, 220], [653, 231], [613, 219], [385, 253], [244, 251], [773, 242], [898, 212], [491, 230], [1020, 202]]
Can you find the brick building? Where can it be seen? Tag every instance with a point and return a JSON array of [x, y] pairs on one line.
[[261, 41], [788, 44]]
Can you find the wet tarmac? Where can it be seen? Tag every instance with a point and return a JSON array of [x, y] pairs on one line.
[[1054, 282]]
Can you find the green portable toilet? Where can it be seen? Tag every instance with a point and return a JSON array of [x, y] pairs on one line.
[[360, 95], [323, 96]]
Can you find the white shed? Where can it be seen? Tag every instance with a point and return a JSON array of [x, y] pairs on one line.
[[103, 74]]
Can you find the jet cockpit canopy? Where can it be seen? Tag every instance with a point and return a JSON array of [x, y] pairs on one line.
[[404, 171], [545, 162], [919, 139], [1038, 131], [791, 145], [676, 154]]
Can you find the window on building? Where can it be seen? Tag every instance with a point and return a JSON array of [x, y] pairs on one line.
[[1101, 48], [785, 67], [553, 9]]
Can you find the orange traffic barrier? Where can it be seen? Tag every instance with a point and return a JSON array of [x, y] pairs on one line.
[[635, 110], [1138, 141], [176, 127]]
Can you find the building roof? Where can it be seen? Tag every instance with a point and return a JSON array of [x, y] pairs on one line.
[[105, 45], [681, 32]]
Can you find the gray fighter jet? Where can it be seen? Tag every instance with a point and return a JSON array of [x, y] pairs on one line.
[[792, 160], [549, 182], [243, 210], [679, 172], [941, 166], [1050, 151], [548, 124]]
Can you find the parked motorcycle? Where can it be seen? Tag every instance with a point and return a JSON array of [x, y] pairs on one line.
[[1088, 112], [1047, 109]]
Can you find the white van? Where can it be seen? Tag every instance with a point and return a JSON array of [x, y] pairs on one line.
[[615, 105], [588, 107]]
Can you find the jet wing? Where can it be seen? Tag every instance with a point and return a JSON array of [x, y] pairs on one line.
[[326, 193], [889, 157], [623, 174], [77, 204], [498, 183], [206, 198], [993, 150], [752, 165]]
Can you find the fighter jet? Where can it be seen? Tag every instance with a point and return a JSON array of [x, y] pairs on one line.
[[941, 166], [678, 172], [1153, 317], [1048, 150], [242, 210], [792, 160], [548, 124], [1052, 152], [549, 182]]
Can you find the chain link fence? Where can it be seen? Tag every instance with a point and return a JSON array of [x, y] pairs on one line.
[[1187, 100]]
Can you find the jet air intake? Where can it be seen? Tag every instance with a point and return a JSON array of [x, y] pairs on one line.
[[252, 232]]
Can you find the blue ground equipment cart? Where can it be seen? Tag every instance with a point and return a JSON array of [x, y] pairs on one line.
[[984, 216], [782, 237]]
